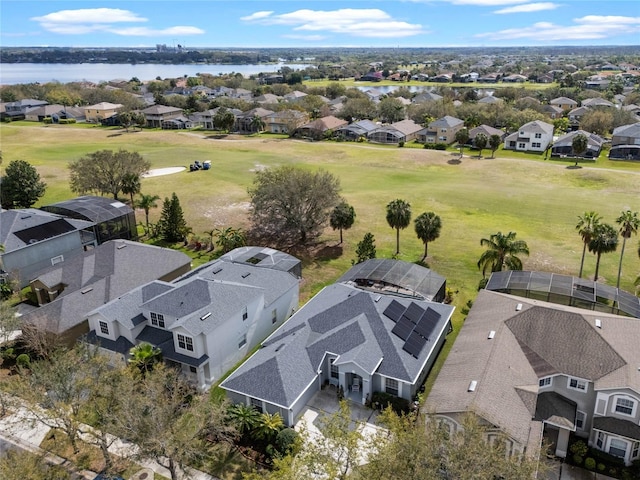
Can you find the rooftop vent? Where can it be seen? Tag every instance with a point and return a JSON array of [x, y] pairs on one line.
[[472, 386], [216, 270], [377, 299], [120, 247], [518, 307], [598, 323], [492, 334], [86, 290], [246, 274], [205, 316]]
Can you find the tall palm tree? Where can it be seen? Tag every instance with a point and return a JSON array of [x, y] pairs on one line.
[[257, 123], [144, 356], [462, 137], [604, 240], [502, 251], [427, 227], [131, 185], [579, 145], [147, 202], [629, 224], [587, 224], [342, 217], [398, 217]]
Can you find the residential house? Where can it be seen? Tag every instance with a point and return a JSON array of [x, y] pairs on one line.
[[38, 114], [563, 146], [272, 79], [575, 115], [178, 123], [545, 78], [402, 131], [374, 330], [633, 109], [205, 119], [267, 98], [156, 114], [285, 121], [370, 77], [69, 290], [356, 130], [426, 97], [489, 78], [596, 102], [553, 111], [534, 136], [34, 240], [207, 320], [625, 142], [101, 111], [18, 110], [246, 123], [443, 78], [486, 130], [490, 100], [533, 370], [442, 130], [374, 95], [318, 128], [294, 97], [564, 103], [514, 78]]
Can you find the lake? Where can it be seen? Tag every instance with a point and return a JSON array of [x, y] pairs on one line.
[[13, 73]]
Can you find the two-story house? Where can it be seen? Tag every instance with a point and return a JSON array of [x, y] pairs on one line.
[[18, 110], [534, 136], [207, 320], [101, 111], [379, 328], [157, 114], [625, 142], [442, 130], [535, 370], [285, 121], [564, 103]]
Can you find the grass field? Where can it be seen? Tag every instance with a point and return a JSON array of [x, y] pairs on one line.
[[540, 200]]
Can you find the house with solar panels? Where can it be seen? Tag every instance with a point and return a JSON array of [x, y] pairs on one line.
[[363, 334], [207, 320]]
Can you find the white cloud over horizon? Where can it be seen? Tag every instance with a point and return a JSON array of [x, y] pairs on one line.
[[371, 23], [590, 27], [88, 20], [528, 8]]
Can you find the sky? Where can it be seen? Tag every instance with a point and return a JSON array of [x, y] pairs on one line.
[[330, 23]]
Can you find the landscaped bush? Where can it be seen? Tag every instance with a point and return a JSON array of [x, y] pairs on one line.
[[577, 459], [23, 360], [66, 121], [401, 144], [47, 120], [383, 399], [590, 463], [435, 146]]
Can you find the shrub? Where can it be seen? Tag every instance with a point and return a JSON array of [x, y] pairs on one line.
[[577, 459], [397, 404], [401, 143], [590, 463], [286, 440], [579, 448], [601, 467], [47, 120], [23, 360]]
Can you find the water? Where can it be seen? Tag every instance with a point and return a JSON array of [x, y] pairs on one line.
[[13, 73]]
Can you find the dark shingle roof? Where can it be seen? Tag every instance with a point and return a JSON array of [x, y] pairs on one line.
[[618, 426]]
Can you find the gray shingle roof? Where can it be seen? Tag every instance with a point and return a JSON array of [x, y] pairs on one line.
[[342, 320], [618, 426], [446, 122]]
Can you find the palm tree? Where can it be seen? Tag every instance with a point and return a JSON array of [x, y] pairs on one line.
[[502, 251], [257, 123], [398, 217], [268, 425], [629, 224], [587, 224], [131, 185], [147, 202], [604, 240], [342, 217], [480, 142], [230, 238], [144, 356], [494, 144], [244, 417], [427, 227]]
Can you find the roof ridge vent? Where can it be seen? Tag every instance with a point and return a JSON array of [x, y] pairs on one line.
[[86, 290], [205, 316]]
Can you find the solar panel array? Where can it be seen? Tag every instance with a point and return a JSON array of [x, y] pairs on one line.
[[413, 324]]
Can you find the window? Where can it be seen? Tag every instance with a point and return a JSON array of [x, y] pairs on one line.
[[536, 145], [512, 143], [245, 314], [391, 386], [443, 130], [618, 448], [185, 343], [274, 315], [522, 145], [538, 135], [104, 328], [442, 138], [600, 440], [544, 382], [193, 369], [635, 450], [243, 341], [577, 384], [334, 369], [580, 418], [58, 259], [257, 404], [157, 320], [625, 406]]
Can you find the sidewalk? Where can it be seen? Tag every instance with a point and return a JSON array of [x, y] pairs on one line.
[[26, 432]]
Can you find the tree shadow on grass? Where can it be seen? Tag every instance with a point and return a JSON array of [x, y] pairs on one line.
[[454, 161], [114, 135], [218, 136], [574, 167]]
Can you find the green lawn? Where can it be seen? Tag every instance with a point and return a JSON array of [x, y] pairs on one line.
[[538, 199]]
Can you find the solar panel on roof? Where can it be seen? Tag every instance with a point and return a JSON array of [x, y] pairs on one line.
[[427, 322], [403, 328], [414, 312], [394, 311], [414, 344]]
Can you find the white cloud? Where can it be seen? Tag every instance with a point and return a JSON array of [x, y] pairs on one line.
[[256, 16], [95, 20], [348, 21], [89, 16], [487, 3], [311, 38], [588, 28], [528, 8]]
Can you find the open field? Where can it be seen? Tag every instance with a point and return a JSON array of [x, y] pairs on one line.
[[540, 200]]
